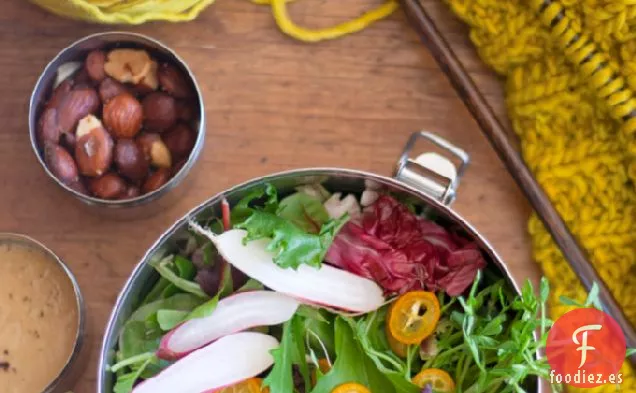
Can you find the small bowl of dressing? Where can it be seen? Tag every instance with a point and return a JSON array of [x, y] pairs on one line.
[[42, 319]]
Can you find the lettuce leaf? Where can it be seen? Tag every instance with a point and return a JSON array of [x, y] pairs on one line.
[[304, 211]]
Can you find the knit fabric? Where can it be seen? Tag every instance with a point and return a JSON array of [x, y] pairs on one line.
[[570, 71]]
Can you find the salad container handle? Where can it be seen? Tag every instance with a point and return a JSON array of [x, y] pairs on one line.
[[435, 173]]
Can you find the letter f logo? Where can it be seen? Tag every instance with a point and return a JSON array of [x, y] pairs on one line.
[[583, 343]]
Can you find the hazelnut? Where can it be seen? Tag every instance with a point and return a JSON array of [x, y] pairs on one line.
[[173, 81], [123, 116], [60, 163], [95, 65], [130, 193], [48, 128], [59, 94], [179, 140], [68, 141], [81, 79], [77, 104], [130, 160], [150, 81], [109, 186], [127, 65], [94, 147], [184, 111], [78, 186], [155, 150], [156, 180], [160, 111], [110, 88]]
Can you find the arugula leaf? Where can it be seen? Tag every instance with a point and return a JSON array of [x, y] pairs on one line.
[[304, 211], [293, 246], [291, 351]]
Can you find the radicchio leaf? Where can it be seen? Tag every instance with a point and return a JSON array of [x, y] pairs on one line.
[[404, 252]]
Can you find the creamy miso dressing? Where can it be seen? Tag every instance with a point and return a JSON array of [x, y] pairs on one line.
[[38, 318]]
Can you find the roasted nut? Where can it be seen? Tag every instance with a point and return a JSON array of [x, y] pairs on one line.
[[94, 147], [60, 163], [110, 88], [130, 160], [173, 81], [109, 186], [150, 82], [123, 116], [179, 140], [95, 65], [59, 94], [128, 65], [130, 193], [178, 166], [184, 111], [160, 111], [156, 180], [68, 141], [154, 150], [81, 79], [78, 186], [48, 127], [76, 105]]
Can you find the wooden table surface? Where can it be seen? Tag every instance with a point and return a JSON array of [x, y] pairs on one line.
[[272, 104]]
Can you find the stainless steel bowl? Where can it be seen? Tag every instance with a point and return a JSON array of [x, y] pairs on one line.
[[430, 178], [76, 52], [76, 363]]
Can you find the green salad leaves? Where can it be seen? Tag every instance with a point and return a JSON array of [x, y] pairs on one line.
[[298, 226]]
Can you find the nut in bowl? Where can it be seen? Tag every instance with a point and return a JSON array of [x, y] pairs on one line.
[[117, 119]]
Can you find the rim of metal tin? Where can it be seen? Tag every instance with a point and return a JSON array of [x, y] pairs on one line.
[[304, 172], [145, 198], [81, 308]]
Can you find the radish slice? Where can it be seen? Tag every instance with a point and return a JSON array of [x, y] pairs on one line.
[[229, 360], [233, 314], [328, 285]]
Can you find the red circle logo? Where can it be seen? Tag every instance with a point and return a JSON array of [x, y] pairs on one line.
[[585, 349]]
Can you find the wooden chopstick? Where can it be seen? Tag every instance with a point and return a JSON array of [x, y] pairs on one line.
[[496, 134]]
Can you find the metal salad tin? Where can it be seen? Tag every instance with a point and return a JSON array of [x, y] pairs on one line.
[[431, 178], [76, 363], [165, 195]]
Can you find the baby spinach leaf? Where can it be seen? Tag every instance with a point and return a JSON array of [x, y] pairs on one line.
[[169, 319], [352, 365], [126, 382], [251, 285], [304, 211], [163, 268]]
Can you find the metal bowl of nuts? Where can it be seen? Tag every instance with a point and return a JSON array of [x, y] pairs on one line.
[[117, 120]]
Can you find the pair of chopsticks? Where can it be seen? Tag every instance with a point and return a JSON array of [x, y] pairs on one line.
[[496, 133]]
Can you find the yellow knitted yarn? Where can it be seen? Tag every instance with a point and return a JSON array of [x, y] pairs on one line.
[[571, 76]]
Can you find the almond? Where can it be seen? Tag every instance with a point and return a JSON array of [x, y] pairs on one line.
[[94, 65], [123, 116], [160, 111], [130, 160], [78, 186], [94, 147], [68, 141], [180, 140], [109, 186], [128, 65], [173, 81], [48, 127], [110, 88], [154, 150], [76, 105], [60, 163], [156, 180]]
